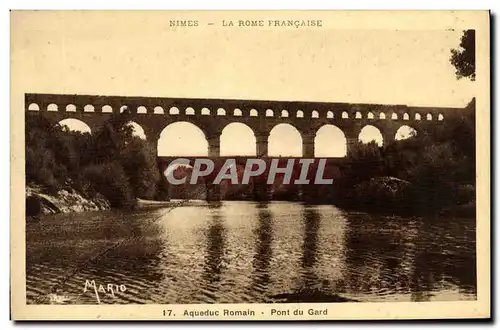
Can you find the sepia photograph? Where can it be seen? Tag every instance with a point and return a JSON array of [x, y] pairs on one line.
[[250, 165]]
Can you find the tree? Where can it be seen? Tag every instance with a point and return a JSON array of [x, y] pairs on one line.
[[112, 162], [138, 160], [464, 58]]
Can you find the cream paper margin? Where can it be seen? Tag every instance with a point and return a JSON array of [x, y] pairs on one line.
[[411, 20]]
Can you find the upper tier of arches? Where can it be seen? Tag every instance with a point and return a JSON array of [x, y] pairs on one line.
[[267, 112]]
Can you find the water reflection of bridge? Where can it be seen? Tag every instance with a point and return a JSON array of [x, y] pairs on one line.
[[362, 260]]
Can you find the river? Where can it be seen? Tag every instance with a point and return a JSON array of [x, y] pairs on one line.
[[240, 252]]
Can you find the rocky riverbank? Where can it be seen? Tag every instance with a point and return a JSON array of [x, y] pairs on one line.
[[66, 200]]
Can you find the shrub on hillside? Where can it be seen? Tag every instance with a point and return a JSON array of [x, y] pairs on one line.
[[111, 160], [380, 194], [110, 180], [138, 160]]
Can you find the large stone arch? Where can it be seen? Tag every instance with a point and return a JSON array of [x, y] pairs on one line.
[[74, 124], [285, 140], [371, 133], [330, 141], [182, 138], [237, 139], [137, 128], [405, 132]]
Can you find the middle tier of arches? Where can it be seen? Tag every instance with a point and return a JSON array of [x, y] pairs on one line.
[[282, 140]]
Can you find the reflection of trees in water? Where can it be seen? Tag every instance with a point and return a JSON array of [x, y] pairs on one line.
[[374, 252], [445, 253], [407, 256], [422, 279], [263, 253], [214, 257]]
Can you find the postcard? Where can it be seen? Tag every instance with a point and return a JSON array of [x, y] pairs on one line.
[[250, 165]]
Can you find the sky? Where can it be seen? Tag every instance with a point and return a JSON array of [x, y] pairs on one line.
[[137, 54]]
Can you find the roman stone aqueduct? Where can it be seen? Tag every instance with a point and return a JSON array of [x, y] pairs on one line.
[[154, 114]]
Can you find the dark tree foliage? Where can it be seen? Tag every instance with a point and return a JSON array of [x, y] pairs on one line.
[[111, 181], [364, 162], [438, 163], [464, 58], [138, 160], [111, 162]]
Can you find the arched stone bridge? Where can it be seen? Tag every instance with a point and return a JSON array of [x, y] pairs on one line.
[[153, 114]]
